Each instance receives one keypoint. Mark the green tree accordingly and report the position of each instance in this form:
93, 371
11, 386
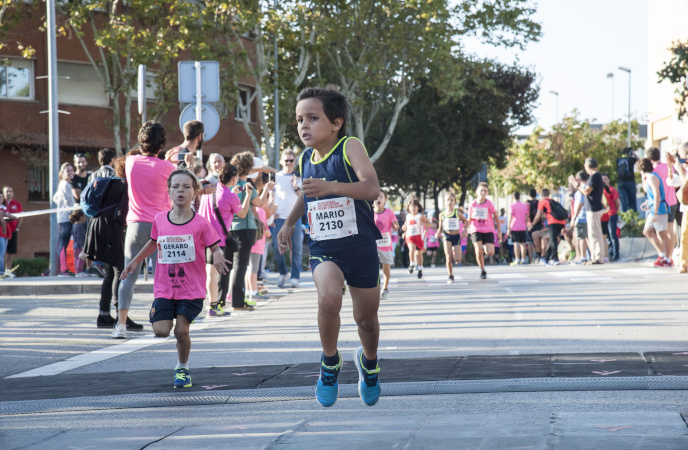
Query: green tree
442, 144
11, 14
676, 72
545, 160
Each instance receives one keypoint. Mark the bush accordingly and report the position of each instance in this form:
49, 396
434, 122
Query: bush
634, 224
30, 267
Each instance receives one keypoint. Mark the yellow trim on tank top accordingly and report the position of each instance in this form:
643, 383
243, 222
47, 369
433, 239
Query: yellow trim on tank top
330, 152
346, 158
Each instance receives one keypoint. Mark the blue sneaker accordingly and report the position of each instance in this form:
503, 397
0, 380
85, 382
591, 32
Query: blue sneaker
368, 381
327, 389
182, 378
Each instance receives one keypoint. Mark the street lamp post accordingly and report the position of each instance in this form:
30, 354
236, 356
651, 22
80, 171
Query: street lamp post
557, 94
626, 69
610, 76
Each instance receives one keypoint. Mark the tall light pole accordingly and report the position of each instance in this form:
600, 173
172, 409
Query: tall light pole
276, 94
557, 94
53, 130
610, 76
626, 69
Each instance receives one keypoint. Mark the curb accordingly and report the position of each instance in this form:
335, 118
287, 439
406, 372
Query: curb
345, 391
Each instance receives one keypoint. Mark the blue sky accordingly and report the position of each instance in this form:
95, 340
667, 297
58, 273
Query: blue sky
582, 41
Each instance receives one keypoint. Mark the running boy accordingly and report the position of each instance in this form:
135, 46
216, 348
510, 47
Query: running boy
482, 217
386, 222
181, 237
450, 224
415, 219
339, 184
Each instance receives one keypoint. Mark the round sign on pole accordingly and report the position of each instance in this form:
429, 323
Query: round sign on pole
211, 119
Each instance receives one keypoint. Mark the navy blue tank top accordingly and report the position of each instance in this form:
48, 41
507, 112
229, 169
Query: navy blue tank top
335, 167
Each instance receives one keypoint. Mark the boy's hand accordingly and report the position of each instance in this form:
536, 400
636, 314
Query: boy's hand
284, 238
313, 187
220, 262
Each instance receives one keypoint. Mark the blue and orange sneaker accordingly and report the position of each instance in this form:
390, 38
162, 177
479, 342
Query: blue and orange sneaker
327, 389
182, 378
368, 380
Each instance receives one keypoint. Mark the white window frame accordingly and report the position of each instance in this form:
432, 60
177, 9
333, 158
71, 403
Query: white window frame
28, 64
237, 111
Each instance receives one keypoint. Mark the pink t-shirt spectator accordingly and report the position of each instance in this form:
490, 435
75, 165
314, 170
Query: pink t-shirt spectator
663, 171
147, 184
384, 222
519, 211
259, 245
483, 217
176, 280
228, 204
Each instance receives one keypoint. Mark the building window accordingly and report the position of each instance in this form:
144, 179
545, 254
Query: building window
245, 101
16, 79
37, 178
84, 86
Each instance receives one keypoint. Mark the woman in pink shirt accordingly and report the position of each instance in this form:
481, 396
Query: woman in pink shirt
147, 176
482, 217
518, 224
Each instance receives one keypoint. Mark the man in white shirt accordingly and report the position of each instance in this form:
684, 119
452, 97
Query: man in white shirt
287, 191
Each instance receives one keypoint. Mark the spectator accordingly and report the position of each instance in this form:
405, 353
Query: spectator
594, 209
199, 170
612, 196
662, 170
13, 207
554, 227
680, 164
626, 179
64, 199
214, 165
243, 230
518, 224
657, 210
78, 220
287, 191
81, 175
105, 240
263, 185
193, 141
227, 202
5, 232
147, 190
534, 234
105, 157
579, 221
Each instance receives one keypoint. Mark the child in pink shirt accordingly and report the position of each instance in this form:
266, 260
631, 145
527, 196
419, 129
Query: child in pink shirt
387, 223
180, 236
518, 224
482, 217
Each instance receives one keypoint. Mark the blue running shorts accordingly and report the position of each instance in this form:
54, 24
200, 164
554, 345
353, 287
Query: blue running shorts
360, 266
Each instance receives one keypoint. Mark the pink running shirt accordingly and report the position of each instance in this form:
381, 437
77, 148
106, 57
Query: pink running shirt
228, 204
147, 185
259, 245
181, 280
519, 211
384, 222
483, 217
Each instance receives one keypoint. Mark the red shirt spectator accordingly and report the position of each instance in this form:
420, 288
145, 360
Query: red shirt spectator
543, 205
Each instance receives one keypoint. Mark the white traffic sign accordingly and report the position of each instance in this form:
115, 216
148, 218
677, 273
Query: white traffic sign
211, 119
210, 81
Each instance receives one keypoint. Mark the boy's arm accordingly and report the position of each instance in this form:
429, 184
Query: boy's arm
145, 252
367, 188
219, 260
395, 225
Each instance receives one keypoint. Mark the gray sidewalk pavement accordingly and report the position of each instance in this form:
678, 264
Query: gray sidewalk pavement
530, 358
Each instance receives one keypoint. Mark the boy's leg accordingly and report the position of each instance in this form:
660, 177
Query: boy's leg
162, 328
365, 306
329, 280
181, 333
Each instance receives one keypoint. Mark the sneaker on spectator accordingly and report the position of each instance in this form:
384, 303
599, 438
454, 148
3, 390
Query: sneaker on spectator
294, 283
554, 262
217, 311
668, 263
543, 262
81, 275
66, 273
120, 332
281, 280
9, 274
659, 262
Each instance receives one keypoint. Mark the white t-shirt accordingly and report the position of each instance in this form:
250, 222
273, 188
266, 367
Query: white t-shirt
285, 196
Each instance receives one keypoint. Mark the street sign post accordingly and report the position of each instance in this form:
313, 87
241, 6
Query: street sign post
199, 84
142, 92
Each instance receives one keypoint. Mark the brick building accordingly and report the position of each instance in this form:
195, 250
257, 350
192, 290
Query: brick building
86, 129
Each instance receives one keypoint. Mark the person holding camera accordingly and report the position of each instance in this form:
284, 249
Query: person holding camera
626, 179
193, 141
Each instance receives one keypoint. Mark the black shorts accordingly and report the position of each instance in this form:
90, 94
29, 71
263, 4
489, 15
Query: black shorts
605, 228
519, 236
453, 238
673, 210
12, 244
165, 309
360, 266
485, 238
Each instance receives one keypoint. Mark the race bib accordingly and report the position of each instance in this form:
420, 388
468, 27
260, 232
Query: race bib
451, 224
480, 213
334, 218
386, 240
176, 249
413, 230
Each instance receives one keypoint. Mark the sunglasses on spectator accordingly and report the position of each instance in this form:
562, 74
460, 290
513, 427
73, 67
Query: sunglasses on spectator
79, 155
288, 160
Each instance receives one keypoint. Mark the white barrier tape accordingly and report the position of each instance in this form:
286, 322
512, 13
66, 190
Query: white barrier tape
44, 211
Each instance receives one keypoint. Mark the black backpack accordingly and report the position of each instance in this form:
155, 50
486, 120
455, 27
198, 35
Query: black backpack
623, 168
557, 210
93, 195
